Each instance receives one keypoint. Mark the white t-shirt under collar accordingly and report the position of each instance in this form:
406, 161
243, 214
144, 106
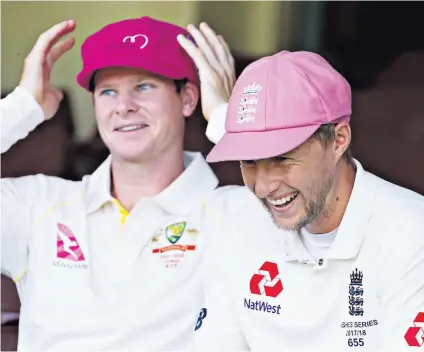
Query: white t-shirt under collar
317, 245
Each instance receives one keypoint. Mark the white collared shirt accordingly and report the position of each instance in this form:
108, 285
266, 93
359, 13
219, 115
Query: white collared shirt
86, 279
268, 293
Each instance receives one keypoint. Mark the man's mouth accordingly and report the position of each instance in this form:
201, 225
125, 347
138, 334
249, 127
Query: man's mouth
131, 128
283, 201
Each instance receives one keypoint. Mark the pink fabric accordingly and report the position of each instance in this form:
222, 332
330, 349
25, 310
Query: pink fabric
278, 102
67, 245
143, 43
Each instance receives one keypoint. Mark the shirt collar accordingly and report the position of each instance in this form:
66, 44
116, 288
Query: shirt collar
99, 186
353, 227
178, 198
190, 187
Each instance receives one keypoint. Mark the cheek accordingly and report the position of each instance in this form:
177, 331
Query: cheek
296, 177
102, 121
167, 101
161, 104
248, 176
103, 111
166, 115
313, 185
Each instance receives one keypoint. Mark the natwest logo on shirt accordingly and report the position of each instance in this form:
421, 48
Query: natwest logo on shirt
266, 282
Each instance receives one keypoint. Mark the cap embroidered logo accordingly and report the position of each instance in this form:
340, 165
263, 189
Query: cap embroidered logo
267, 281
133, 39
247, 109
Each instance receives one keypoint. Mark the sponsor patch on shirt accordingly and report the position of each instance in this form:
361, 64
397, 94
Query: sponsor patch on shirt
358, 327
173, 241
266, 282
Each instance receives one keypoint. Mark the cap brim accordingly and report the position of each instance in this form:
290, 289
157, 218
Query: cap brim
154, 67
259, 145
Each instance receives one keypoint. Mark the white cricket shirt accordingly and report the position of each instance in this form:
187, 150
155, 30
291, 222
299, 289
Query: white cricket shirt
267, 293
89, 275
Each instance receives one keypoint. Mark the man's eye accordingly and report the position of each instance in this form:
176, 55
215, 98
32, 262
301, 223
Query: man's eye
279, 159
108, 92
144, 86
248, 162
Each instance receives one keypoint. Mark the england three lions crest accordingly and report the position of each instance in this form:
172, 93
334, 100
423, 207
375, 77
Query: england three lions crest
247, 106
356, 291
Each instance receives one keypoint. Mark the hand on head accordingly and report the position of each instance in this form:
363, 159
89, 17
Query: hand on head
39, 63
215, 63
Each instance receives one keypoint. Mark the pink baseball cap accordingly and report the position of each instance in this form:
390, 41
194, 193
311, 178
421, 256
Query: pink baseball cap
278, 102
143, 43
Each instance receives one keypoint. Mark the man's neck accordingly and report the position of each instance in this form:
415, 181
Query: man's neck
134, 181
338, 202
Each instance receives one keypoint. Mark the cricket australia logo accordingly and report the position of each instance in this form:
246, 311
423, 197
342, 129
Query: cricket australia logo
173, 234
356, 292
175, 231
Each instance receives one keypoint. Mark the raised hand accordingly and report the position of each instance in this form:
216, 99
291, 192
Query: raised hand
215, 63
39, 63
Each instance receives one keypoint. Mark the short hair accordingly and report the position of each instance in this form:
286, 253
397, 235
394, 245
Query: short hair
180, 84
326, 134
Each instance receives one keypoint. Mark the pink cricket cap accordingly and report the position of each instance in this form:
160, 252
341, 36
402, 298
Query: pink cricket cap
278, 102
143, 43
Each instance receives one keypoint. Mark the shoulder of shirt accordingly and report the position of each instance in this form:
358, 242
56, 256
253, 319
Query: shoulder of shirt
394, 198
238, 211
50, 189
230, 199
398, 209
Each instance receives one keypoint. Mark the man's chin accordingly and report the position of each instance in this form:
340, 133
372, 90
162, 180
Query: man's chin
132, 156
294, 223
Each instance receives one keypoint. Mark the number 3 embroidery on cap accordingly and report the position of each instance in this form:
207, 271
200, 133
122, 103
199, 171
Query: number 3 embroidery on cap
132, 39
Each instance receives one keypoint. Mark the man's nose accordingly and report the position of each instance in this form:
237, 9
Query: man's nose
125, 104
266, 182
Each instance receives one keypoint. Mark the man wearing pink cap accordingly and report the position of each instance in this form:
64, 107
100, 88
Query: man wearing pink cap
342, 267
115, 261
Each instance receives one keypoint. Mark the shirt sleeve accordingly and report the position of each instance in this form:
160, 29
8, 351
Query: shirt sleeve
402, 292
20, 113
15, 227
216, 126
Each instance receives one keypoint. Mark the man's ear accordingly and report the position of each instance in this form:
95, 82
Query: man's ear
342, 138
190, 97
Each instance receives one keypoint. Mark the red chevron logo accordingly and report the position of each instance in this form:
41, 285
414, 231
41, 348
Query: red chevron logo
415, 334
266, 281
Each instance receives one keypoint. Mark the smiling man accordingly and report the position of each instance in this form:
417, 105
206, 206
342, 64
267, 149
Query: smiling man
343, 269
114, 261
